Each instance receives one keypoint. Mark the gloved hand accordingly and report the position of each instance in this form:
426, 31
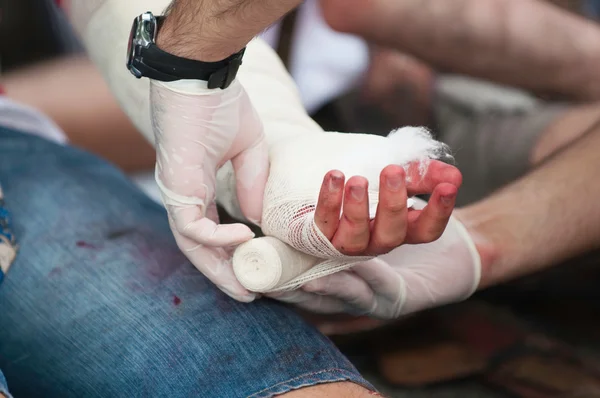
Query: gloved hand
196, 131
410, 278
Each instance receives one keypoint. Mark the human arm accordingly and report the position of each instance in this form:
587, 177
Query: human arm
211, 30
525, 43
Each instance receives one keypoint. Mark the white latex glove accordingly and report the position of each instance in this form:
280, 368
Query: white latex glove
197, 130
411, 278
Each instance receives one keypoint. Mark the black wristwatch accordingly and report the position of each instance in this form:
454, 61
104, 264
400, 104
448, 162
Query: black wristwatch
145, 59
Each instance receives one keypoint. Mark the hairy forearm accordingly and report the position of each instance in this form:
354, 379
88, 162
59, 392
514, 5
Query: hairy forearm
525, 43
210, 30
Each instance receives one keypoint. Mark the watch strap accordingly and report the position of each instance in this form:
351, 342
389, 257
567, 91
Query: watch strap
152, 62
169, 67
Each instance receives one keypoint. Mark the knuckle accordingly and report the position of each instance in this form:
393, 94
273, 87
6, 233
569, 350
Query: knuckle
396, 207
360, 221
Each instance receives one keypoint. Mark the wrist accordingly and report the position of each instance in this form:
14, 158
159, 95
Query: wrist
203, 44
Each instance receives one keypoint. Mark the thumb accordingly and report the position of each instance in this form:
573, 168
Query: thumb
251, 168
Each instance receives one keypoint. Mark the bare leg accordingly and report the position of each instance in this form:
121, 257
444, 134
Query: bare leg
332, 390
73, 94
544, 218
510, 38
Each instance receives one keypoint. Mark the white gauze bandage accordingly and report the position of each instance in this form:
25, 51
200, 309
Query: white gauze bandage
301, 153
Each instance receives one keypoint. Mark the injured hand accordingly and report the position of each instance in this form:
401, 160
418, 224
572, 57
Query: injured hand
299, 250
346, 227
391, 222
433, 260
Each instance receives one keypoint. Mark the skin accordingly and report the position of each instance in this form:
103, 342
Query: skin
354, 233
212, 30
511, 47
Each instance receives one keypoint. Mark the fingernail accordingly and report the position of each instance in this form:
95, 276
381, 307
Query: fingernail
358, 193
335, 183
394, 182
447, 200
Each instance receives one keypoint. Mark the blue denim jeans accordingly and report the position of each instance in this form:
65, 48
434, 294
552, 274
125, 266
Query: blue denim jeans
101, 303
592, 8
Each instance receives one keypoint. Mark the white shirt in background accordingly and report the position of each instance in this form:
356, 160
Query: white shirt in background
324, 63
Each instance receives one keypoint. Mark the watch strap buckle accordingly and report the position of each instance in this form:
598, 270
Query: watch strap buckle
225, 76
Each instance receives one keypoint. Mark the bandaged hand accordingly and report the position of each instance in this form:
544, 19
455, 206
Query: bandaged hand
340, 227
196, 131
331, 268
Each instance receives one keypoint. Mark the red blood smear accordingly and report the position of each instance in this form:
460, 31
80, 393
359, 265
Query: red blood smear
176, 300
85, 245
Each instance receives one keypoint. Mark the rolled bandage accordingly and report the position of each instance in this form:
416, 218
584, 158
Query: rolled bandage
266, 265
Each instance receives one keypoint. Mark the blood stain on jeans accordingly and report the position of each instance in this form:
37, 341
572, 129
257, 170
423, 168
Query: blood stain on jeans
85, 245
176, 300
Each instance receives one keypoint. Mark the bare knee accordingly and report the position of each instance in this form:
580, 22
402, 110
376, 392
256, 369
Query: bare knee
331, 390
